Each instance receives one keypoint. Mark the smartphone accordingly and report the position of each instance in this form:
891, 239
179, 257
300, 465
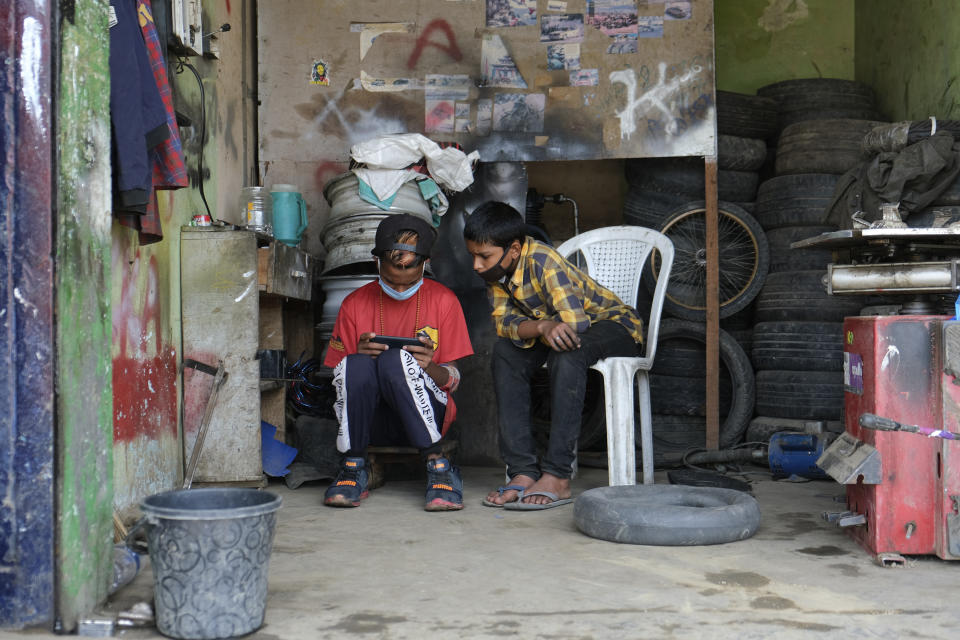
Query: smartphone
396, 341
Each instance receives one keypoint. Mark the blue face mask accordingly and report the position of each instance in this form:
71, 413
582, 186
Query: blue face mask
400, 295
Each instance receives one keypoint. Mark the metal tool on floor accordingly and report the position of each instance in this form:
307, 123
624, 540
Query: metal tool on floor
219, 377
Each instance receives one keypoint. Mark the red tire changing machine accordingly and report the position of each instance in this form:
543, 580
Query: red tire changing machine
902, 488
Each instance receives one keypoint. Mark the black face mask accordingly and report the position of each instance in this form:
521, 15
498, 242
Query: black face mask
496, 272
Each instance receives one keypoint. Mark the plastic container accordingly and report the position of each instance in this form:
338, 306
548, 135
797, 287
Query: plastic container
126, 566
210, 553
257, 209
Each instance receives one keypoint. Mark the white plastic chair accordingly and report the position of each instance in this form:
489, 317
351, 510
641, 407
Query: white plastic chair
615, 257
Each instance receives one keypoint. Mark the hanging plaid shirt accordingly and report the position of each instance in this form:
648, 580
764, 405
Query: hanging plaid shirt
169, 169
545, 286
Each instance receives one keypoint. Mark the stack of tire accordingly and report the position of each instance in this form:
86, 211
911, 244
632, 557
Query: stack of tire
659, 186
666, 194
797, 350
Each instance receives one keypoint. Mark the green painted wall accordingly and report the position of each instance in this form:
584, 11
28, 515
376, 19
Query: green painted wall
759, 42
909, 52
84, 399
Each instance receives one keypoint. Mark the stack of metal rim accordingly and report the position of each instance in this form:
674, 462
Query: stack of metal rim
349, 231
348, 237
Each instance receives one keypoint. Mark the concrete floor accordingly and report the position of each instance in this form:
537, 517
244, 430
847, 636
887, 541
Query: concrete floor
390, 570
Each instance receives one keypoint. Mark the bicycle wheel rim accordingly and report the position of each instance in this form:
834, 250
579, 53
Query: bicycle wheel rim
739, 264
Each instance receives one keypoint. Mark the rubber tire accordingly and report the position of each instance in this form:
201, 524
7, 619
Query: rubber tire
687, 358
802, 296
805, 99
748, 116
730, 214
667, 515
649, 208
798, 346
740, 154
686, 396
736, 186
783, 258
738, 367
677, 176
822, 146
676, 434
679, 357
794, 200
804, 395
685, 177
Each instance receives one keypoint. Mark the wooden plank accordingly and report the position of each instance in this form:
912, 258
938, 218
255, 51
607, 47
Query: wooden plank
273, 409
713, 305
649, 97
298, 321
264, 266
271, 323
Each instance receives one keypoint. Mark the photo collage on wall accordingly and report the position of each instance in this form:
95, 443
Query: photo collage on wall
562, 33
560, 29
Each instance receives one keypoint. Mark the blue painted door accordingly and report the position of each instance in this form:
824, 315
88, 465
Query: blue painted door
26, 315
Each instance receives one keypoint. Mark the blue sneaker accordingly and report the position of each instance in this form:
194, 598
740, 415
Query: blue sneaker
444, 486
350, 486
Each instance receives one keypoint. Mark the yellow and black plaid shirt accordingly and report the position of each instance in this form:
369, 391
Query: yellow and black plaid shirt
545, 286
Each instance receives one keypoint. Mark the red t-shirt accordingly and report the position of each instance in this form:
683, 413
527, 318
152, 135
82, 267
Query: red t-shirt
439, 315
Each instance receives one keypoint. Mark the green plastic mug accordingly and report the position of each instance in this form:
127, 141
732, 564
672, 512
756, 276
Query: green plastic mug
289, 214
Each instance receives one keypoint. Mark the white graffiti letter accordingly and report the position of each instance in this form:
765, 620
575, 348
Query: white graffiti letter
658, 97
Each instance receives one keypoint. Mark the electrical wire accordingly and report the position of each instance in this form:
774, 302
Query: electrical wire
307, 397
181, 63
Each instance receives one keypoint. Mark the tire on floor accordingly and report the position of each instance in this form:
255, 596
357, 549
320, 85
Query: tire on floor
667, 515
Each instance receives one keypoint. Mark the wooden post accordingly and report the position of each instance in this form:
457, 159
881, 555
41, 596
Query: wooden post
713, 306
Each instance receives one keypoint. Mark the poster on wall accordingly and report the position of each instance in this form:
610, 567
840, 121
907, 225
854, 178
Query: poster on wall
498, 68
522, 112
511, 13
567, 27
612, 17
441, 94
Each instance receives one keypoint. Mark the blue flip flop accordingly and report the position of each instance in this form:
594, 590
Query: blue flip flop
510, 487
519, 505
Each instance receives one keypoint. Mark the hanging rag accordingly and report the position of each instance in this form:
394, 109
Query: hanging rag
913, 177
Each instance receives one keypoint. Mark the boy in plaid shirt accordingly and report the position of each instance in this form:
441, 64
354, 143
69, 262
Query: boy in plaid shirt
545, 310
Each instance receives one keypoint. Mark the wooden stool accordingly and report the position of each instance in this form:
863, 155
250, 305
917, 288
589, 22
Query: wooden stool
379, 457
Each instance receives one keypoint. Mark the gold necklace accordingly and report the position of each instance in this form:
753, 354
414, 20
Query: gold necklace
416, 322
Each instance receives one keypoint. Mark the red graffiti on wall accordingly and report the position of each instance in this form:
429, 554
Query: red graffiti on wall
450, 48
144, 367
326, 171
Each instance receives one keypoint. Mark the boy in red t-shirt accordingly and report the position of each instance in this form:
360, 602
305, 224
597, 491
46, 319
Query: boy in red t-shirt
397, 396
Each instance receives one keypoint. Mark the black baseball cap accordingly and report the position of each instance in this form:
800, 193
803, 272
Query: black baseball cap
392, 225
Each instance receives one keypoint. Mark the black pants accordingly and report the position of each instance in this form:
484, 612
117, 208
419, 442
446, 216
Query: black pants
387, 400
513, 368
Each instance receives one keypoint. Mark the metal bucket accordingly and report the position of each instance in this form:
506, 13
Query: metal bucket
210, 552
